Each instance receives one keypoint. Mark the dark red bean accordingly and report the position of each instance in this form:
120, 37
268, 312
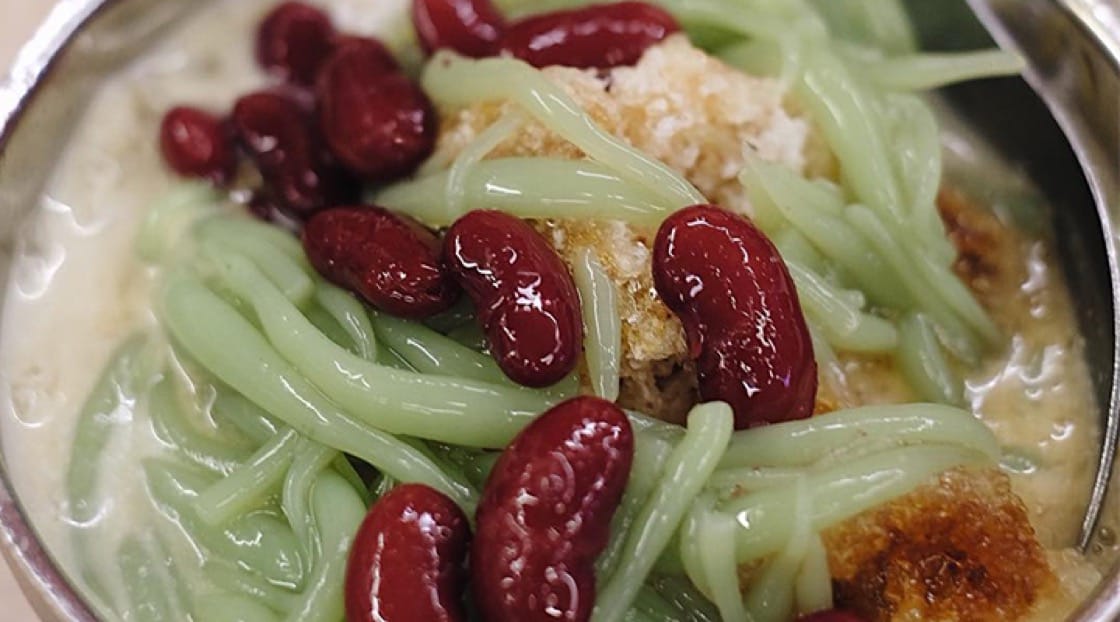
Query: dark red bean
470, 27
831, 615
545, 513
378, 124
527, 303
374, 52
407, 563
389, 260
293, 41
731, 290
280, 136
195, 143
262, 206
602, 35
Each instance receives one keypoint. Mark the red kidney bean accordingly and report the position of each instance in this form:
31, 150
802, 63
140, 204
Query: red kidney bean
731, 290
527, 303
263, 207
195, 143
601, 35
470, 27
293, 41
368, 50
407, 561
279, 135
545, 513
389, 260
830, 615
378, 124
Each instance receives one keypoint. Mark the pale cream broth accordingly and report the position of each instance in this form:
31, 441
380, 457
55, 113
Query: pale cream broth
77, 288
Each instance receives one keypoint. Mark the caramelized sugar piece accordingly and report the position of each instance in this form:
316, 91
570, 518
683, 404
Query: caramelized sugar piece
959, 548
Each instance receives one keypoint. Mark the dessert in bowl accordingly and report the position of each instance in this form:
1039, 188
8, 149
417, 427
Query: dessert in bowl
457, 311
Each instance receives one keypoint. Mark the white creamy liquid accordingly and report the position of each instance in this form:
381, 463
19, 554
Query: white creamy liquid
77, 287
78, 290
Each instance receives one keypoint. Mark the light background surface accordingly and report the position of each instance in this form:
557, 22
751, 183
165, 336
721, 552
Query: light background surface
18, 20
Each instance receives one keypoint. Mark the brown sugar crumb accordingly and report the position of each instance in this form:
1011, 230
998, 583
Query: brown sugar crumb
989, 259
960, 549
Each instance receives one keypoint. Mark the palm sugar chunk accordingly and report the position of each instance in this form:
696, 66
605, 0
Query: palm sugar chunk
960, 548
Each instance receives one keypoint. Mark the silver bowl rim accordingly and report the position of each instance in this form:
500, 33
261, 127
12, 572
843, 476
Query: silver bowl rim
45, 585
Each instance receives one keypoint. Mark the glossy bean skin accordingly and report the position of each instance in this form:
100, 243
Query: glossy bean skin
407, 563
372, 50
195, 143
378, 123
726, 282
469, 27
603, 35
293, 40
389, 260
526, 299
279, 135
545, 513
830, 615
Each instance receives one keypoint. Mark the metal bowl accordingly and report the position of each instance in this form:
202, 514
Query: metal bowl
1067, 139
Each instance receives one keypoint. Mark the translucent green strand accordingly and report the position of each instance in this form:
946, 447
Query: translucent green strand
104, 413
929, 71
310, 460
776, 187
474, 153
232, 608
171, 426
917, 159
338, 511
680, 592
650, 455
685, 472
432, 353
814, 582
650, 604
720, 567
839, 492
233, 228
451, 410
259, 541
453, 81
351, 316
530, 188
169, 219
802, 443
845, 326
150, 595
231, 579
251, 485
924, 365
848, 118
246, 416
232, 349
883, 23
284, 271
771, 595
602, 324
